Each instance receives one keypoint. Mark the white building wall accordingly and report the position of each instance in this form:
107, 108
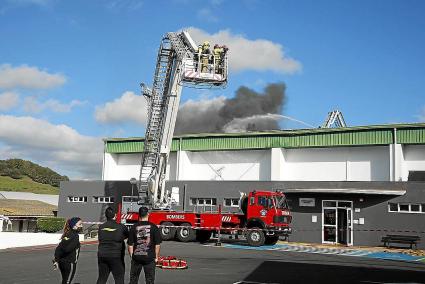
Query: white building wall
225, 165
414, 159
337, 164
365, 163
126, 166
277, 163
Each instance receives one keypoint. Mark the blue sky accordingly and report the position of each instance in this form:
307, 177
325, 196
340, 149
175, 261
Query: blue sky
70, 70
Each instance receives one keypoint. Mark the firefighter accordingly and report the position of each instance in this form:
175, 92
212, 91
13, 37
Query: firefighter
197, 57
218, 51
68, 250
111, 251
205, 56
143, 246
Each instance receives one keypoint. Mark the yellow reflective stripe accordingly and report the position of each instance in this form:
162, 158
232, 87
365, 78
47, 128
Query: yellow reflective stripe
65, 238
108, 229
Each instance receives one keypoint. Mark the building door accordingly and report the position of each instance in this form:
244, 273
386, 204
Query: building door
337, 222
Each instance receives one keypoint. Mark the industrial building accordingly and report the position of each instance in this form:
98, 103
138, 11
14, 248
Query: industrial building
348, 185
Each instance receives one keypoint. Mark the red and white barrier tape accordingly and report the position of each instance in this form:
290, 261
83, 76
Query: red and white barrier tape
293, 230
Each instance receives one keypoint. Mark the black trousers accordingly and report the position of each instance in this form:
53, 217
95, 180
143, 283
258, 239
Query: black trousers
136, 268
107, 265
67, 270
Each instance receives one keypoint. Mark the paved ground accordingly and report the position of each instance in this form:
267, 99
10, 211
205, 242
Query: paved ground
369, 252
210, 264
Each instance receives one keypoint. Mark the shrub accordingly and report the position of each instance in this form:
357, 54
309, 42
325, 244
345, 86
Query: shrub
50, 225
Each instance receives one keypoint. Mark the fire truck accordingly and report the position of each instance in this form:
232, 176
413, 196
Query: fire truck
264, 214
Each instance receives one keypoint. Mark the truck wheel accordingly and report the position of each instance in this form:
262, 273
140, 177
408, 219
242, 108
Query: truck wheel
167, 233
203, 236
186, 234
271, 240
255, 237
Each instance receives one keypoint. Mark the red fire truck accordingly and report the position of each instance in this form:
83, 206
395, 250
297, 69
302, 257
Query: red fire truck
264, 215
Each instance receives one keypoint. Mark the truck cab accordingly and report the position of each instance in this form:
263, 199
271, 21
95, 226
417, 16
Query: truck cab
267, 217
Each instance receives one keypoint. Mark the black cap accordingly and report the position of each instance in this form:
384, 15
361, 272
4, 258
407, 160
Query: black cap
143, 212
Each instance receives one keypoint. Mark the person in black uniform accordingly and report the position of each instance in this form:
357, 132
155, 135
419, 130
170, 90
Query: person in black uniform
143, 246
68, 250
110, 255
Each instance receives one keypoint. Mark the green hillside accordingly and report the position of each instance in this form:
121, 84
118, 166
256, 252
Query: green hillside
26, 176
26, 184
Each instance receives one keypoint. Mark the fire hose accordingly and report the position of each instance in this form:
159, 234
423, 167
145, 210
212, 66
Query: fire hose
171, 262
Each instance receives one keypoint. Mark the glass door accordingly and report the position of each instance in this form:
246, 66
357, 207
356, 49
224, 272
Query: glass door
329, 225
337, 222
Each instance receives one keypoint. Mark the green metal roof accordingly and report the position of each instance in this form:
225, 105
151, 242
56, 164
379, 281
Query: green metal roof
320, 137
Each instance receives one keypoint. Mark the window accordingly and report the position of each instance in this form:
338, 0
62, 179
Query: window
403, 207
344, 204
77, 199
130, 199
103, 199
262, 200
203, 201
329, 203
406, 208
415, 208
392, 207
231, 202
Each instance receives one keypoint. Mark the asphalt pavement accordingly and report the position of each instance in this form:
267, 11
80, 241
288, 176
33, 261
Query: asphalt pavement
210, 264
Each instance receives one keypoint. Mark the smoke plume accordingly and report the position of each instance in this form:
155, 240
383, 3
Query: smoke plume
247, 111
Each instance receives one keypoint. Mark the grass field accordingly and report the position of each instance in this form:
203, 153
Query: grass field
25, 184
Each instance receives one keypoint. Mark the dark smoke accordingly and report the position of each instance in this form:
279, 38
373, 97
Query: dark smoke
247, 111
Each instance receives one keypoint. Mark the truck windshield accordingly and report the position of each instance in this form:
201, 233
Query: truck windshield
280, 202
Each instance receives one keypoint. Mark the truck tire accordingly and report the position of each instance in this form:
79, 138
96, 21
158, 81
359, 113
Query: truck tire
186, 234
271, 240
203, 236
255, 237
167, 233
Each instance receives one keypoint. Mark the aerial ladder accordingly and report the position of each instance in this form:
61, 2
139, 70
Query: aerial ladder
334, 118
179, 63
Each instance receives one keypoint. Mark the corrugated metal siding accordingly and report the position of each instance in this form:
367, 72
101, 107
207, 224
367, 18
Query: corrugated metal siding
133, 146
411, 136
287, 140
124, 147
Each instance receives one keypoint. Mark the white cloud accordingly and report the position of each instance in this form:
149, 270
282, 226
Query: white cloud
28, 78
128, 108
32, 105
8, 100
59, 146
246, 54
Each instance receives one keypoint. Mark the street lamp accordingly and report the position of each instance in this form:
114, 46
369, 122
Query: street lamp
133, 182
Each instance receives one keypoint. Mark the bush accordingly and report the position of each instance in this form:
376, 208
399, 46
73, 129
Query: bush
50, 225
